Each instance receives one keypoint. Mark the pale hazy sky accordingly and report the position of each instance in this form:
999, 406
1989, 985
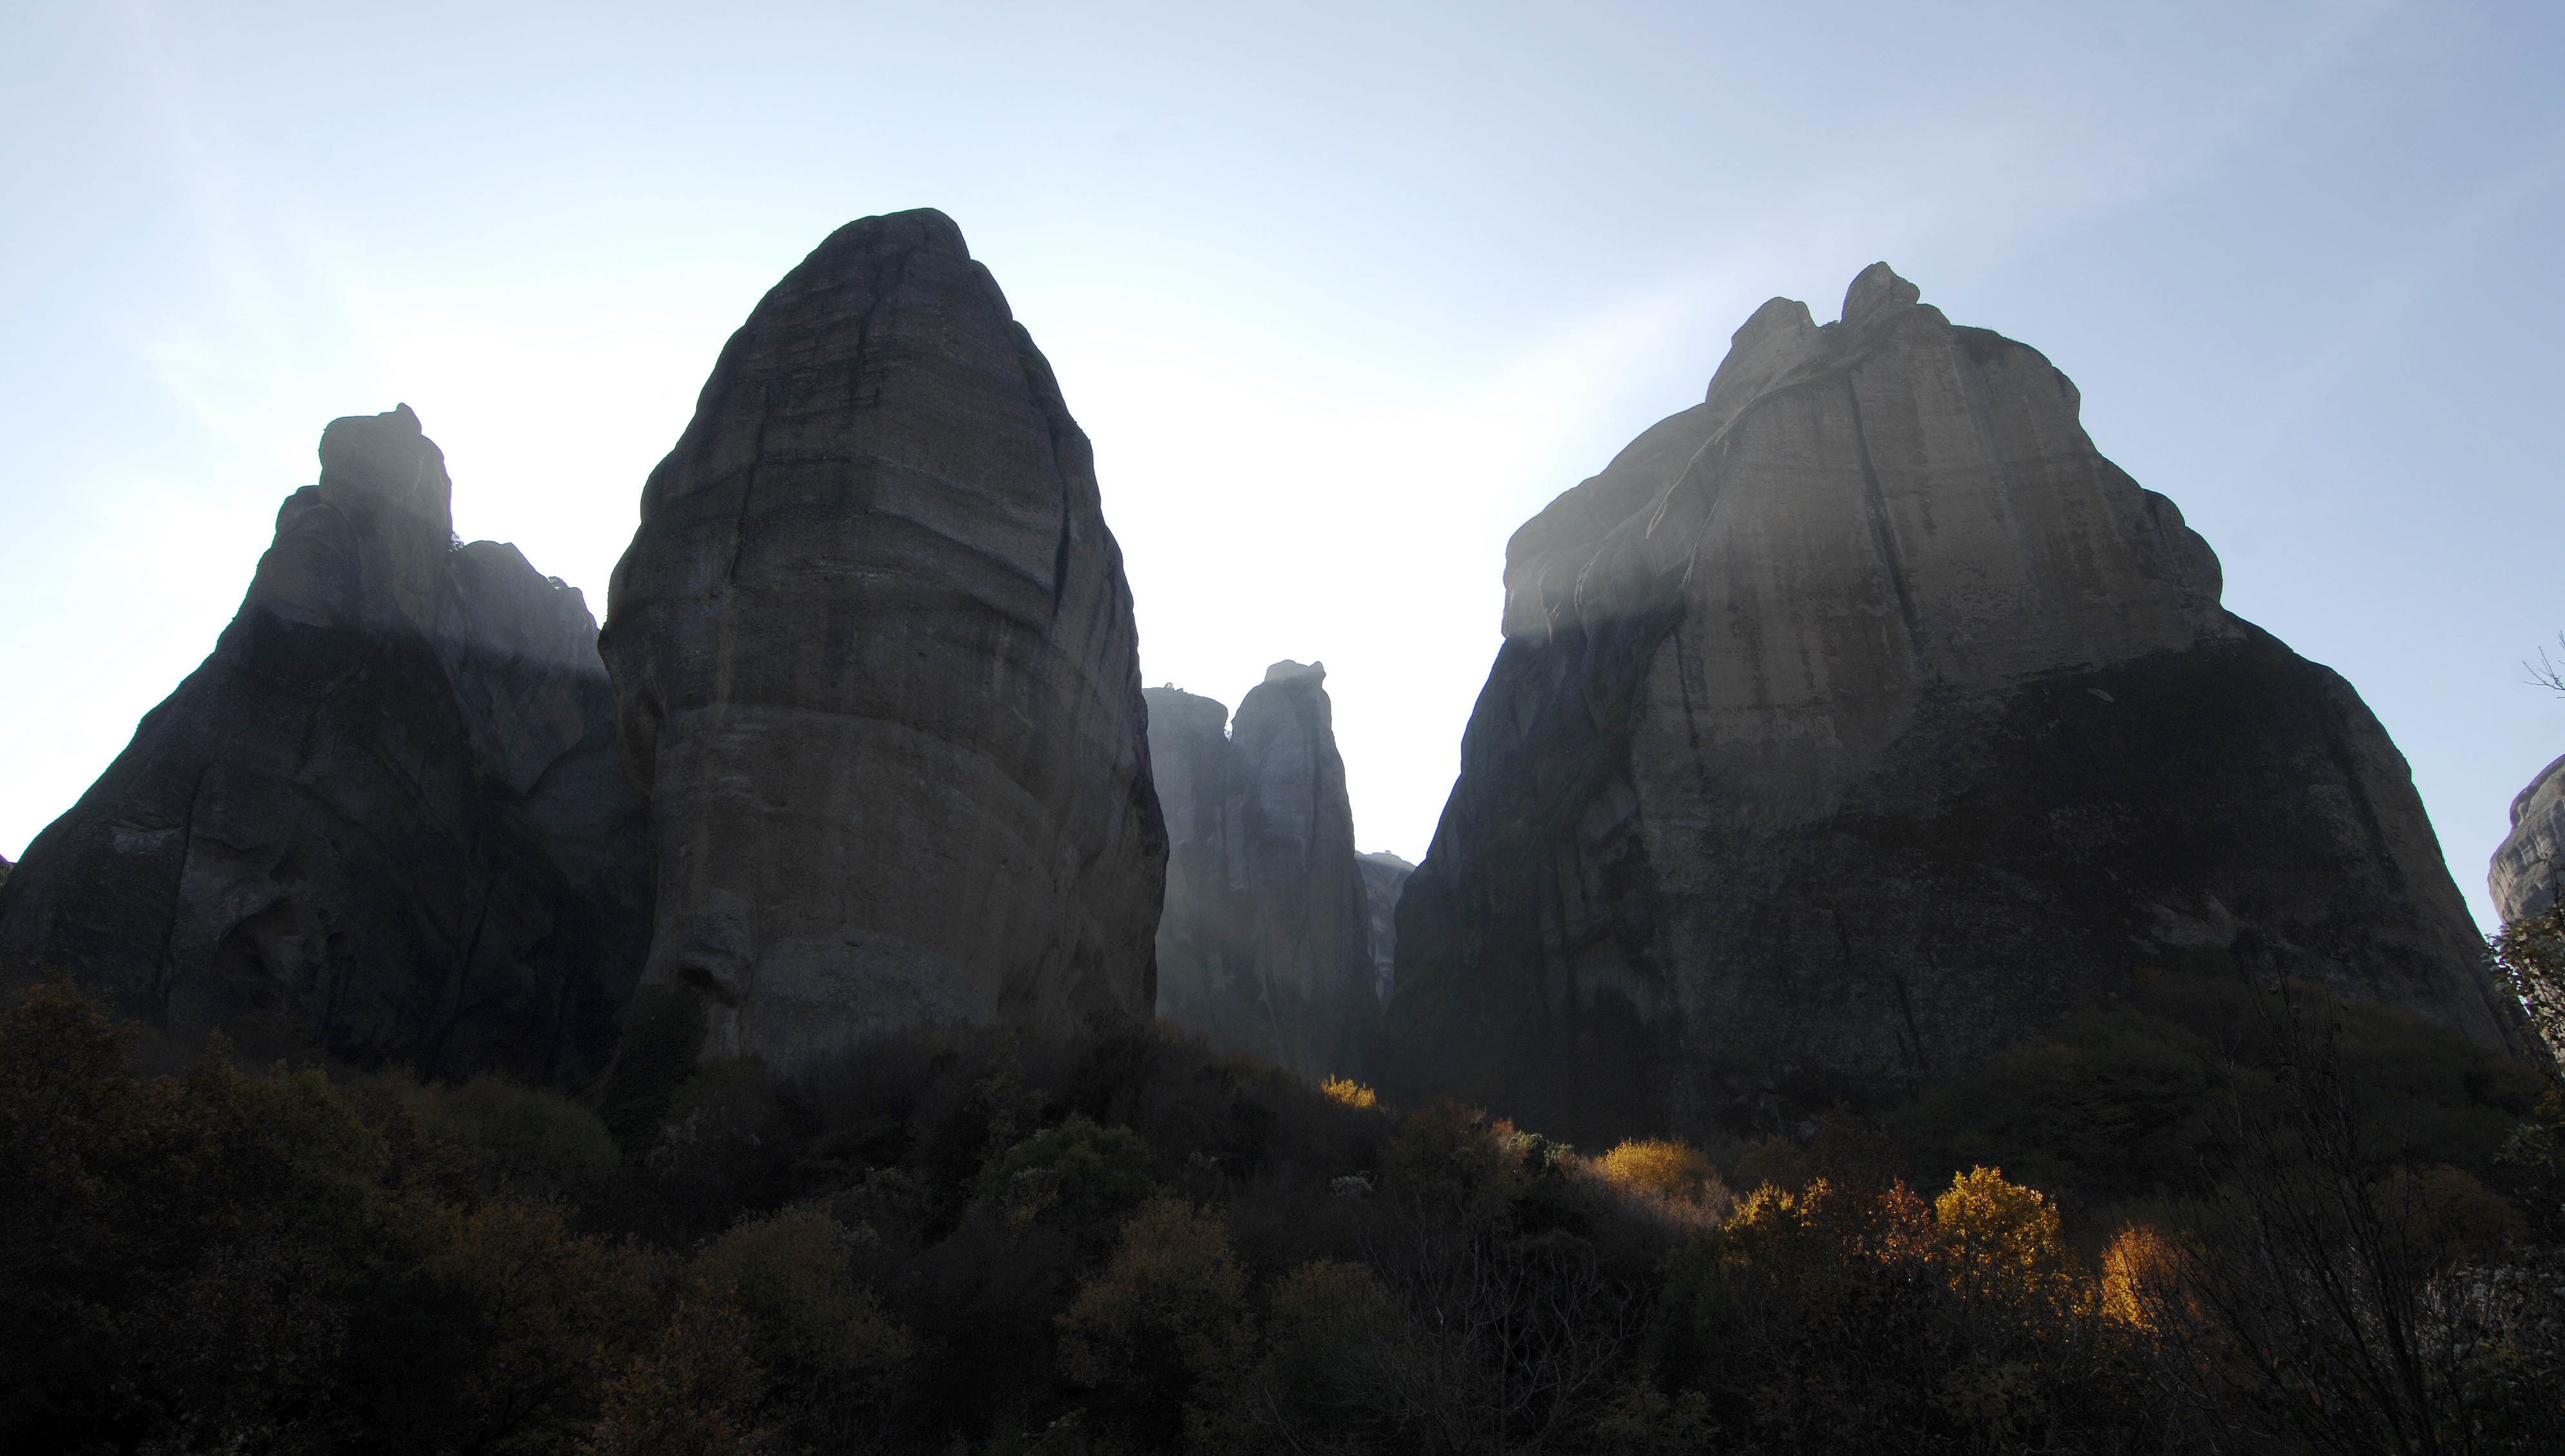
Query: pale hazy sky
1343, 293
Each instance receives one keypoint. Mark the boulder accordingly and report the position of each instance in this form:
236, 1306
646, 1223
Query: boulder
385, 816
2527, 870
876, 674
1857, 720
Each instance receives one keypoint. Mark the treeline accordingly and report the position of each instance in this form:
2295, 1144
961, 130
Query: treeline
2229, 1219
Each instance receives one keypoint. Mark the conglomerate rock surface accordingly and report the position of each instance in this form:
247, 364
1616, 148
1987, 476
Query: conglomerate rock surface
1264, 944
877, 675
2526, 869
385, 816
1854, 722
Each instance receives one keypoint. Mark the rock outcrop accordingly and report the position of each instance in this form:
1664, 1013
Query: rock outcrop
877, 675
1266, 944
1856, 721
385, 816
1384, 878
2526, 870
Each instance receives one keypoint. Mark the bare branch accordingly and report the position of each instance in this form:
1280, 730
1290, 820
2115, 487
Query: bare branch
2546, 674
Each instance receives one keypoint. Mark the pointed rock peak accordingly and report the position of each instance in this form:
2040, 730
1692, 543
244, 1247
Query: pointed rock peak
1287, 671
1876, 289
1779, 337
386, 458
1784, 317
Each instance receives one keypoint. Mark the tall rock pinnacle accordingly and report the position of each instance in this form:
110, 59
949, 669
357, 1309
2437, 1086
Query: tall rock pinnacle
1856, 720
877, 673
1266, 944
385, 815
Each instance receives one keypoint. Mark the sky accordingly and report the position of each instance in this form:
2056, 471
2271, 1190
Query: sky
1343, 293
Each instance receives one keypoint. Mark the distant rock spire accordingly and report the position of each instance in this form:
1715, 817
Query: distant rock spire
1266, 942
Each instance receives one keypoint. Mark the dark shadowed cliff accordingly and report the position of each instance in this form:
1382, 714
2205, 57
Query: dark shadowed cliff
1858, 719
877, 673
1265, 946
385, 815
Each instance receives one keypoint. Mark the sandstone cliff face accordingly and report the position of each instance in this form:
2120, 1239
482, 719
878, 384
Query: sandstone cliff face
2526, 869
876, 673
385, 815
1265, 946
1851, 723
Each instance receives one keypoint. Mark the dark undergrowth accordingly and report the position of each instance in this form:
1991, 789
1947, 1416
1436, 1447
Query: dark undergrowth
2229, 1219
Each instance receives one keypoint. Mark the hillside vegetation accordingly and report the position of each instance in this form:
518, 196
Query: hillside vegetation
2195, 1217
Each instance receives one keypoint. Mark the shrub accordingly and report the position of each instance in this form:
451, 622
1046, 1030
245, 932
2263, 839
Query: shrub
1163, 1326
1350, 1091
1333, 1328
1449, 1159
1078, 1178
1660, 1167
1999, 1241
695, 1393
663, 1035
814, 1327
534, 1144
2141, 1284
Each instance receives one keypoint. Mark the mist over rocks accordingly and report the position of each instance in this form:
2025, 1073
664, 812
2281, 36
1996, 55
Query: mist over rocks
876, 674
384, 817
2524, 876
1266, 942
1858, 719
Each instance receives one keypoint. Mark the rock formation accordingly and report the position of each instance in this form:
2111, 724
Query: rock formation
2527, 870
1855, 720
385, 815
1384, 877
1207, 971
1266, 944
876, 674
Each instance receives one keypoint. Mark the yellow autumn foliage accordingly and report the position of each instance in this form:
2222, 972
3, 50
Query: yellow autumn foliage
1658, 1166
1999, 1240
1350, 1091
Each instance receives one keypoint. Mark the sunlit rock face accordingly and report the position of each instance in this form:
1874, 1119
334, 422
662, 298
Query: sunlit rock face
876, 673
384, 817
2526, 869
1264, 947
1856, 721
